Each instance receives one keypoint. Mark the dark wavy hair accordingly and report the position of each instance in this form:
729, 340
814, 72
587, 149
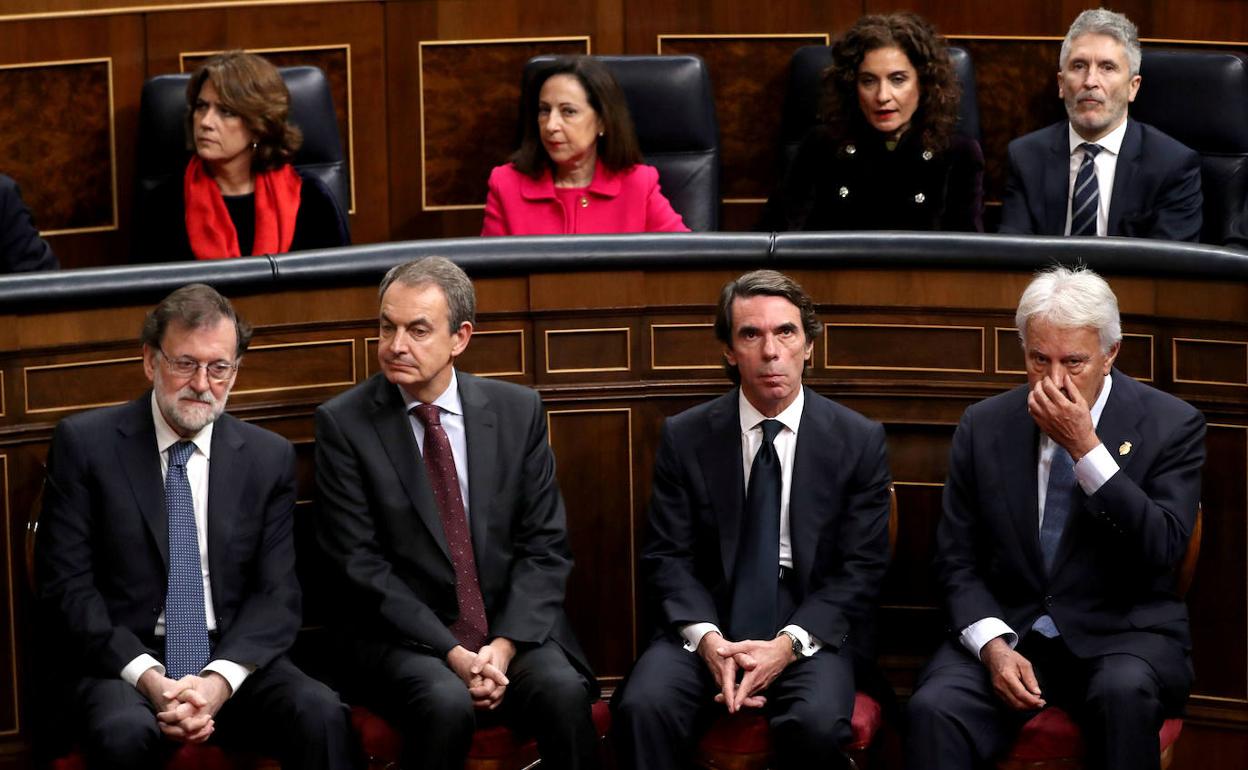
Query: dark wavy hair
254, 90
617, 147
939, 91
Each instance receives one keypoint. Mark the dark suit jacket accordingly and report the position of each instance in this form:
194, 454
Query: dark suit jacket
103, 547
838, 519
1113, 584
21, 248
379, 522
1156, 185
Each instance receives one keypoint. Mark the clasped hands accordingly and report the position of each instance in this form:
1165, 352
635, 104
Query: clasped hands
186, 707
484, 672
758, 661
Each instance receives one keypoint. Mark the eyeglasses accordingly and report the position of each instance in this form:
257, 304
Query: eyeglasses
218, 371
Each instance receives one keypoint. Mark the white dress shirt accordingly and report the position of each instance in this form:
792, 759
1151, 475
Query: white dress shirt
786, 446
197, 467
452, 418
1106, 163
1092, 470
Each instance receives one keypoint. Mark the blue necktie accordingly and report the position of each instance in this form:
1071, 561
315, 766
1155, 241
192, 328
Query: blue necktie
186, 632
1057, 501
1085, 200
757, 573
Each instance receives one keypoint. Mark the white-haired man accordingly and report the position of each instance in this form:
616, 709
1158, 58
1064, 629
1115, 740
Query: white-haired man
1100, 173
1068, 504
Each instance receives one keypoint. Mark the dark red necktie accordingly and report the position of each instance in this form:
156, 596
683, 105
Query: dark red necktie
471, 627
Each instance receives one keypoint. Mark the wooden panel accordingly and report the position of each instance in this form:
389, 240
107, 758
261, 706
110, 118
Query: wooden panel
595, 470
749, 77
495, 353
901, 347
1016, 81
572, 351
459, 146
9, 685
344, 39
82, 384
66, 138
1210, 362
1220, 634
335, 62
1136, 358
685, 346
57, 135
293, 366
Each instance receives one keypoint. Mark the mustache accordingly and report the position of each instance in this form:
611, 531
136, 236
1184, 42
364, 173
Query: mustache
204, 398
1086, 95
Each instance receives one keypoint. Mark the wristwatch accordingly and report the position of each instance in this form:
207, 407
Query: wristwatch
798, 647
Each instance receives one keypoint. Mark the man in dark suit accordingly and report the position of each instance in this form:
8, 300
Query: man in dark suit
1068, 506
21, 248
767, 543
439, 505
165, 562
1101, 173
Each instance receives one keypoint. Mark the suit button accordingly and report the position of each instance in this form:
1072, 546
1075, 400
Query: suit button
1048, 601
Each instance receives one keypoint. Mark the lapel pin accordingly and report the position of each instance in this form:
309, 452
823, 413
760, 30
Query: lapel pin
1124, 448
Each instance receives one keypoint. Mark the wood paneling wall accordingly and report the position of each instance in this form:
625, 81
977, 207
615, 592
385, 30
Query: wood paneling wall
613, 353
426, 90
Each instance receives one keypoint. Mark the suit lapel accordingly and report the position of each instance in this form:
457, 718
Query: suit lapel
393, 426
1124, 175
814, 456
227, 468
141, 462
481, 427
1057, 182
1019, 477
719, 456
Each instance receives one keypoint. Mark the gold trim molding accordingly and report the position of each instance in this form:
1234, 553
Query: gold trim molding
628, 349
667, 367
826, 337
1174, 361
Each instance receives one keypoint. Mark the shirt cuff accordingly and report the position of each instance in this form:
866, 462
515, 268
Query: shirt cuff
810, 645
981, 632
139, 666
232, 672
1095, 468
694, 632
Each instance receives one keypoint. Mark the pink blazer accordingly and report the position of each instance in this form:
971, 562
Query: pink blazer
624, 202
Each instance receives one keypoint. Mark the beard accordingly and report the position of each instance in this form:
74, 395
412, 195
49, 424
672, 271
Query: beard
188, 418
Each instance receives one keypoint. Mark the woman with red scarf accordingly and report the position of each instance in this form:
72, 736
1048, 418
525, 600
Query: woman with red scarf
239, 195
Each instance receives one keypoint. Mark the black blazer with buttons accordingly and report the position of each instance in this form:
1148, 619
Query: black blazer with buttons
102, 555
838, 520
856, 183
1113, 584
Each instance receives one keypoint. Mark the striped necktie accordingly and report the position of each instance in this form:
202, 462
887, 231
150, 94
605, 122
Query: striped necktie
1085, 201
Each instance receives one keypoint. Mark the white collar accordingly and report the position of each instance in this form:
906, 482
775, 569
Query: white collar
1111, 142
790, 418
167, 436
447, 401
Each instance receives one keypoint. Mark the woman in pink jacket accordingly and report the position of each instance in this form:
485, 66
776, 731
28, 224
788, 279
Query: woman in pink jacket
578, 169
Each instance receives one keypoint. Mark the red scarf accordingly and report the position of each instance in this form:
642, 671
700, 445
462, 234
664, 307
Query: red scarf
208, 224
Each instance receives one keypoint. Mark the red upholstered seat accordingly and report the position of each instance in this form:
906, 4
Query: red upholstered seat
493, 747
745, 737
1052, 736
185, 757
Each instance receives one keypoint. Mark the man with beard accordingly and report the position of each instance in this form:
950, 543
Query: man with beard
165, 563
1101, 173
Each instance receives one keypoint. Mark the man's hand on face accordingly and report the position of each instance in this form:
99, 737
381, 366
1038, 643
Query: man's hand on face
1060, 410
1012, 676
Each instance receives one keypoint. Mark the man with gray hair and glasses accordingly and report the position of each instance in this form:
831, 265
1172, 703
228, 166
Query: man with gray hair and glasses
165, 563
1069, 504
1101, 173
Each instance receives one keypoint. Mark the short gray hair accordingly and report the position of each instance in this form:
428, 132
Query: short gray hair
456, 286
1099, 21
1071, 299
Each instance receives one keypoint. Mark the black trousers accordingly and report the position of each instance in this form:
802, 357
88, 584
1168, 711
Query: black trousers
548, 698
957, 721
278, 711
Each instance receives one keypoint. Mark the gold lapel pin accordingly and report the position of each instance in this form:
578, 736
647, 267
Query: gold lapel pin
1124, 448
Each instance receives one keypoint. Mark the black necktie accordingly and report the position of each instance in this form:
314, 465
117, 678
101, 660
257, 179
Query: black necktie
1058, 498
753, 614
1085, 200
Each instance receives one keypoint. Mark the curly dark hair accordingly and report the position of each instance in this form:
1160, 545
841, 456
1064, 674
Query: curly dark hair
253, 89
617, 147
939, 91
